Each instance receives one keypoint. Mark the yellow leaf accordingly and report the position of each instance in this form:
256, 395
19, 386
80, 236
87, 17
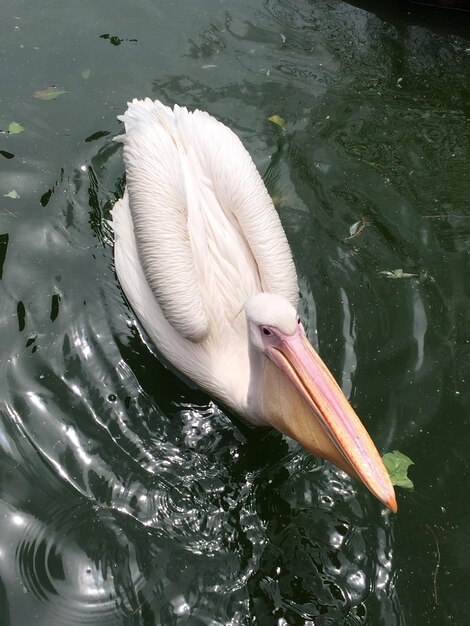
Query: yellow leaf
277, 119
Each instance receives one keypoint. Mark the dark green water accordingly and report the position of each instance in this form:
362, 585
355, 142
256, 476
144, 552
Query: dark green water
127, 497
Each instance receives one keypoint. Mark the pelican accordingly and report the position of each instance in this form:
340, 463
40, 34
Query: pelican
205, 264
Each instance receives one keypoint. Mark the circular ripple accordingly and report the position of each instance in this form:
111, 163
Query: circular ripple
74, 562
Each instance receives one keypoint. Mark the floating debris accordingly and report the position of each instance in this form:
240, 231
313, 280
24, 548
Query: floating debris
356, 229
398, 273
277, 119
114, 40
397, 465
3, 251
15, 128
12, 194
49, 93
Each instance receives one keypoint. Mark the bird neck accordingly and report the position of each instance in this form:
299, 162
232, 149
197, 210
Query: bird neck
254, 400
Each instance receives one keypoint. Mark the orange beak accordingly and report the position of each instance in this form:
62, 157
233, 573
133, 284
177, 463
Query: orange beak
296, 358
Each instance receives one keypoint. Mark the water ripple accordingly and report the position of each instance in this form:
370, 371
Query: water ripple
128, 497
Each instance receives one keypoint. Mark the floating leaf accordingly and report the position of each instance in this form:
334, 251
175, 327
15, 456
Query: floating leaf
277, 119
21, 312
55, 307
398, 273
277, 199
49, 93
46, 196
7, 155
424, 277
30, 341
86, 74
12, 194
14, 128
3, 251
98, 135
282, 199
397, 465
356, 229
113, 39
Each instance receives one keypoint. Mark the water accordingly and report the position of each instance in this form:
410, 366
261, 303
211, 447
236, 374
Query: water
128, 497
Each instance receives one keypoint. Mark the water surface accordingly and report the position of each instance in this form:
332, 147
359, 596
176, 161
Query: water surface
128, 497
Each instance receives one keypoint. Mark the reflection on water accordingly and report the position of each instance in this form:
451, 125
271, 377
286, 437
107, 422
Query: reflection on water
128, 497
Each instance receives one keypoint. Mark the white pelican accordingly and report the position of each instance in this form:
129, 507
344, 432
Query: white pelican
204, 262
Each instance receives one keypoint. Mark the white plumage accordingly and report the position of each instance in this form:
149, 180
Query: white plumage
204, 262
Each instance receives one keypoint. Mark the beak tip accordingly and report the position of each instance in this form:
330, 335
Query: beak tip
390, 501
392, 504
384, 492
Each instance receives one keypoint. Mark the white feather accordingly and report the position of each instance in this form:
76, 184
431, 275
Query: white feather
197, 236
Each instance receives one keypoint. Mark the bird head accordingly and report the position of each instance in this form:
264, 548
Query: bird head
302, 399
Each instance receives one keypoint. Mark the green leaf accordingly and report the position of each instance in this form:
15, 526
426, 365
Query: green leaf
397, 465
15, 128
12, 194
49, 93
398, 273
277, 119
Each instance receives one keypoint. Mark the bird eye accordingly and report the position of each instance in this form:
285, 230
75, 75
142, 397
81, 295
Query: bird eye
266, 331
298, 320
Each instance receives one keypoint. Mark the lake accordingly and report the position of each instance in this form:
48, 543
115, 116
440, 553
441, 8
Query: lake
128, 497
